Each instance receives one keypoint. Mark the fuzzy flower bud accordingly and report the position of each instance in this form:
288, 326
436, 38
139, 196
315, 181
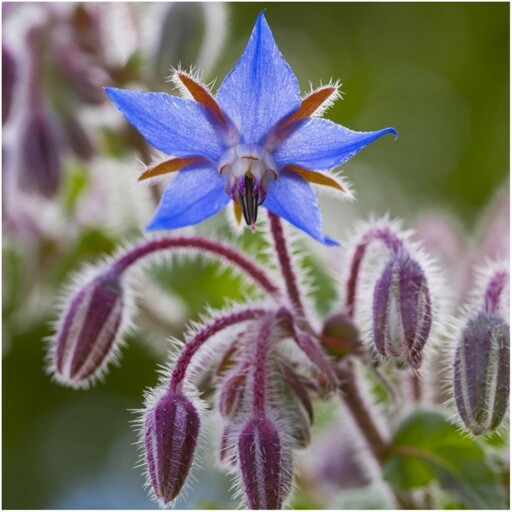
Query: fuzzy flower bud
232, 393
481, 372
171, 428
265, 465
402, 315
340, 337
89, 330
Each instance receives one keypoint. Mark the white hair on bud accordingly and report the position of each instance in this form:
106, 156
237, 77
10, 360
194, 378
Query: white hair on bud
78, 280
474, 303
374, 261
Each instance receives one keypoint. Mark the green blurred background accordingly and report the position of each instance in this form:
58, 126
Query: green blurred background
437, 72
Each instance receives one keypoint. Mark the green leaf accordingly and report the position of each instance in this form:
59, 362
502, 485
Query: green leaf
427, 447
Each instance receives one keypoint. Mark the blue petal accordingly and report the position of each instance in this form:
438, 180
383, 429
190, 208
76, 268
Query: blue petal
173, 125
194, 194
292, 198
261, 88
320, 144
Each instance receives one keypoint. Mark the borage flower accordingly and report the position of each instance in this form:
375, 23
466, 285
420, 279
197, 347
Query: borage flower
255, 143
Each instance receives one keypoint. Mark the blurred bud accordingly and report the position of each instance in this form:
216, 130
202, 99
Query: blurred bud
87, 77
402, 315
265, 465
8, 81
181, 37
232, 393
84, 22
89, 330
493, 233
295, 404
227, 360
171, 428
481, 373
299, 385
78, 140
40, 167
340, 337
227, 451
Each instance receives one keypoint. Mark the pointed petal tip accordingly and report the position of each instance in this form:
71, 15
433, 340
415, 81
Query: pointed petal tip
391, 130
330, 242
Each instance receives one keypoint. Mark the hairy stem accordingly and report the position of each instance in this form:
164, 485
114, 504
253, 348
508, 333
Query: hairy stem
494, 290
351, 393
376, 440
220, 323
260, 365
224, 252
389, 239
285, 263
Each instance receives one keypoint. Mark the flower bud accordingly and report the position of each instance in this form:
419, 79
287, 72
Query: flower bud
171, 428
265, 465
232, 393
90, 328
481, 373
40, 167
340, 337
402, 315
227, 450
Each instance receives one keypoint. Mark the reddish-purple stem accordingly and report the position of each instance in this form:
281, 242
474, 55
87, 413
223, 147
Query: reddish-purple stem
390, 240
220, 323
260, 365
309, 347
495, 288
285, 263
225, 252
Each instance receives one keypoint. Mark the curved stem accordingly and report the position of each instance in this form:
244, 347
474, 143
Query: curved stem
226, 253
220, 323
285, 263
389, 239
494, 290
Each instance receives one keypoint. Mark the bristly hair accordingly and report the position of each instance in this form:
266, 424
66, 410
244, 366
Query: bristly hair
474, 302
372, 265
78, 280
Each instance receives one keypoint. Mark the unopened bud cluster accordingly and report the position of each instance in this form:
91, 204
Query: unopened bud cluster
265, 363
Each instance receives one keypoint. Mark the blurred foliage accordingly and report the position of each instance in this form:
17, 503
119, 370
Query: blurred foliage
438, 73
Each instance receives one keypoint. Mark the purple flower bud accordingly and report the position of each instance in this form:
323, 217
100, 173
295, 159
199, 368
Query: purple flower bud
232, 393
265, 465
481, 373
171, 428
402, 315
87, 335
340, 337
8, 81
40, 167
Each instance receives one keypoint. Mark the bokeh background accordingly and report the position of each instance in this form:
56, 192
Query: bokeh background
437, 72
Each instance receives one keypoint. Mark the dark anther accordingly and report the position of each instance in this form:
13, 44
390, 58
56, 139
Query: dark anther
249, 201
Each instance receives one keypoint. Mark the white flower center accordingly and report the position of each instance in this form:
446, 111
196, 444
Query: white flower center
247, 169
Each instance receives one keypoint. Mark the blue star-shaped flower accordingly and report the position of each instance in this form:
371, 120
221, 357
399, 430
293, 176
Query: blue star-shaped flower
255, 143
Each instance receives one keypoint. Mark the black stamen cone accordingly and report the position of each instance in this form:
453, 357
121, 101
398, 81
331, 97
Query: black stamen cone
249, 201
